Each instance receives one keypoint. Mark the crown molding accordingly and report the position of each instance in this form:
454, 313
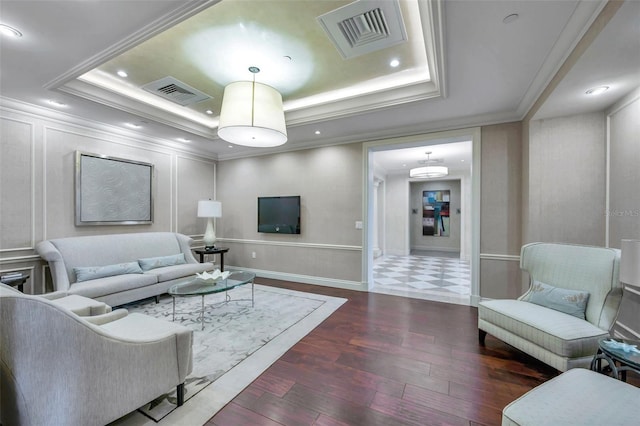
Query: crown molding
179, 14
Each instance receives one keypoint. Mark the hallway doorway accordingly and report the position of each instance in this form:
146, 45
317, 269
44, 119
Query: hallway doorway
395, 261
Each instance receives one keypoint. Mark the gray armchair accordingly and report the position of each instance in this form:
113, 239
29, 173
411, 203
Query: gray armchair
58, 368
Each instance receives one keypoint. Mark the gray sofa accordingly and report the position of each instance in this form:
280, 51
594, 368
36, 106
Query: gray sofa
75, 261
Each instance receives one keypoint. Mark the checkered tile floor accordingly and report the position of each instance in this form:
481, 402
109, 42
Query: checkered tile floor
441, 279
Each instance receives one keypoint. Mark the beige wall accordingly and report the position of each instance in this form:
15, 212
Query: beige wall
422, 242
37, 185
329, 182
567, 180
500, 206
624, 198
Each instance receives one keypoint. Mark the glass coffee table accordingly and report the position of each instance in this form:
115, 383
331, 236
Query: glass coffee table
622, 355
199, 287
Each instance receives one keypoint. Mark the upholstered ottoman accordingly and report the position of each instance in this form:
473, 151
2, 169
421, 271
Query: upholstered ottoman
577, 397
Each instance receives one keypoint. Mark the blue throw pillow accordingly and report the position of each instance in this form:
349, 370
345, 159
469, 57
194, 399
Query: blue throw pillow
86, 273
158, 262
572, 302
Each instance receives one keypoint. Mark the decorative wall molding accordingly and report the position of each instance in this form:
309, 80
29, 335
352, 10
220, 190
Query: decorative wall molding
616, 108
33, 185
176, 167
635, 334
19, 259
289, 244
631, 289
105, 138
37, 112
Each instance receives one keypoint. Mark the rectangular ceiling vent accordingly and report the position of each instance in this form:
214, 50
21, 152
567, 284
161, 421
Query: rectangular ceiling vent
176, 91
364, 26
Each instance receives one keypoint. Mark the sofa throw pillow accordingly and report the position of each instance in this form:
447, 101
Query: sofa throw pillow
158, 262
572, 302
86, 273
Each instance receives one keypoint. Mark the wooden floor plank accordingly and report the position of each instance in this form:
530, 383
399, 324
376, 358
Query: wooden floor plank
387, 360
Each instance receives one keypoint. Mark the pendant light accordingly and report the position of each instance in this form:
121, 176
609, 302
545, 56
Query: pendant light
252, 114
429, 171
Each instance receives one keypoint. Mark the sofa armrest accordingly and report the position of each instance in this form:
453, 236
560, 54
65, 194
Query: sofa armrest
55, 295
50, 253
108, 317
185, 245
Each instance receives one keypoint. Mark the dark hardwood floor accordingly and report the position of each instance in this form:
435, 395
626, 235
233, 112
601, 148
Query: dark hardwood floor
387, 360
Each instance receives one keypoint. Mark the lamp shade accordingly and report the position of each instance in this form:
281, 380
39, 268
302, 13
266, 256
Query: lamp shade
209, 208
252, 115
630, 262
429, 172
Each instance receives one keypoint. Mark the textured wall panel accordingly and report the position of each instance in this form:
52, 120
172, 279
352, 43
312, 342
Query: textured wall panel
16, 184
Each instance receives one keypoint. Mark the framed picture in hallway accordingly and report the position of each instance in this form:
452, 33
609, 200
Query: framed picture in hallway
435, 213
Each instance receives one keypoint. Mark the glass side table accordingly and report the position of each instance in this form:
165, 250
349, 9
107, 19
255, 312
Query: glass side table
622, 355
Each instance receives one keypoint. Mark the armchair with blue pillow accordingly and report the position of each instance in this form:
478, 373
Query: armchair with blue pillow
572, 302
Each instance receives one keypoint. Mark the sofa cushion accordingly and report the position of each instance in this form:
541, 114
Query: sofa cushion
86, 273
158, 262
169, 273
109, 285
572, 302
560, 333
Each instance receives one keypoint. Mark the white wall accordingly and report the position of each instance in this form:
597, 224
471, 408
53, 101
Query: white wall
37, 183
397, 215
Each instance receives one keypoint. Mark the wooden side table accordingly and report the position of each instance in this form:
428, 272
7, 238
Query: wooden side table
16, 281
218, 250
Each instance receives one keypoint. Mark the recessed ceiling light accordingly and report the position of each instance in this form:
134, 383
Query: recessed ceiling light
317, 132
122, 73
394, 63
462, 161
597, 90
184, 140
9, 31
209, 112
510, 18
230, 146
56, 103
133, 125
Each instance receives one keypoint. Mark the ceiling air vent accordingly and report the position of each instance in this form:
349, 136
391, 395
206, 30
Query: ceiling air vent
175, 91
364, 26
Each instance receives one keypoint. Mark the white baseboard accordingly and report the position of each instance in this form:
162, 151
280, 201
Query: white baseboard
431, 248
304, 279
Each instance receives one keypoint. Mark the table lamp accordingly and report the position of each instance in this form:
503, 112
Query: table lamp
209, 209
630, 263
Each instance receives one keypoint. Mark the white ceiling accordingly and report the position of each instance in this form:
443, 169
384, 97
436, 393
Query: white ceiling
492, 72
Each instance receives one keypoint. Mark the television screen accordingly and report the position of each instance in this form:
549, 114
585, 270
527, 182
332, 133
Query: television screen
279, 215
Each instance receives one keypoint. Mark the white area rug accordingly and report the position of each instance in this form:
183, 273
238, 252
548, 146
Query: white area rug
237, 344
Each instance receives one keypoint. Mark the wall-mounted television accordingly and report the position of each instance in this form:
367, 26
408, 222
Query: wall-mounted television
279, 215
